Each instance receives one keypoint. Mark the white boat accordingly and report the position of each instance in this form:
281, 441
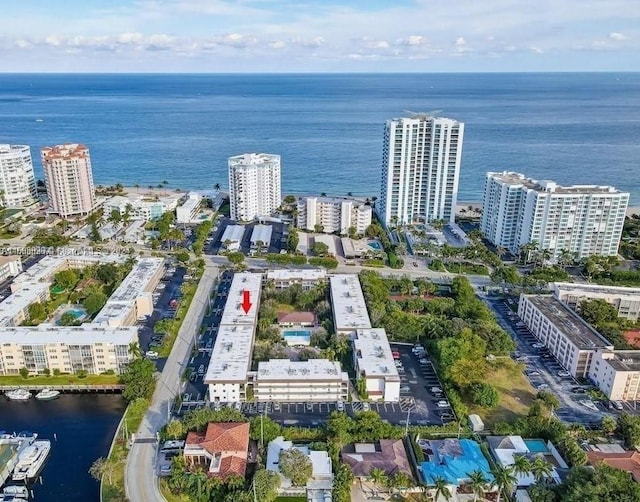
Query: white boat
18, 395
31, 460
16, 492
47, 394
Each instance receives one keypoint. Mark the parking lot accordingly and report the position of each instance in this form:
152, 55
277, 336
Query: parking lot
544, 372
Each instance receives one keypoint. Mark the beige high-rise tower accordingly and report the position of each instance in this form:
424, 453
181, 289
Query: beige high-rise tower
68, 178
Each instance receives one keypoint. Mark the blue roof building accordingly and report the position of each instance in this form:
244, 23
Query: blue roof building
452, 459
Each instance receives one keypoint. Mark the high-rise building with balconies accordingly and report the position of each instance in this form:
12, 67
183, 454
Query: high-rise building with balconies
17, 182
577, 221
254, 185
69, 179
420, 170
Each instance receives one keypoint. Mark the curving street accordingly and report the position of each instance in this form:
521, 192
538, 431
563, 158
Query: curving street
141, 480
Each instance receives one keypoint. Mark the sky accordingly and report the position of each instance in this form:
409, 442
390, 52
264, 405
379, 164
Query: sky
257, 36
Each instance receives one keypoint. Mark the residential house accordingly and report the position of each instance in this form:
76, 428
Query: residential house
318, 487
222, 450
388, 455
296, 319
628, 461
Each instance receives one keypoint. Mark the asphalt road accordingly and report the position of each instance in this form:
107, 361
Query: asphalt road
141, 480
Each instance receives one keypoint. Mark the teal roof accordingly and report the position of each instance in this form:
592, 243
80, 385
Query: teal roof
453, 460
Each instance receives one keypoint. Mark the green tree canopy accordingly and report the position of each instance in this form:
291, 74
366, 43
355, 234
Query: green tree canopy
66, 279
266, 484
94, 302
295, 465
138, 379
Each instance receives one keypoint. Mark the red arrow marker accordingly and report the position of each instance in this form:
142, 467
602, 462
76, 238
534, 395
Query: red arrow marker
246, 301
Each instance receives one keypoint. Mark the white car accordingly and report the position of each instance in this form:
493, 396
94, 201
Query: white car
151, 354
443, 404
538, 345
436, 390
366, 406
564, 374
237, 405
340, 406
542, 386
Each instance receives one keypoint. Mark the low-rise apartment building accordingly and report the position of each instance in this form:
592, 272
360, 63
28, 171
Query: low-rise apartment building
571, 340
10, 266
617, 374
142, 207
300, 381
333, 214
95, 349
308, 278
15, 309
188, 212
374, 363
349, 308
625, 300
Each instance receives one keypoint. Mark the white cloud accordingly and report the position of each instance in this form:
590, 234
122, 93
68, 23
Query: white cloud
536, 50
278, 44
460, 41
412, 40
614, 35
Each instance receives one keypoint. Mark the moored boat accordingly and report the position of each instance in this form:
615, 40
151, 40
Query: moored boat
16, 491
47, 395
18, 395
31, 460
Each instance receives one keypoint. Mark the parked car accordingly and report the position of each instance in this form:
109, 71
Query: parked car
578, 390
542, 386
276, 407
563, 374
538, 345
435, 390
424, 361
340, 406
201, 369
151, 354
522, 359
447, 416
237, 405
617, 405
309, 406
405, 388
532, 373
443, 404
366, 406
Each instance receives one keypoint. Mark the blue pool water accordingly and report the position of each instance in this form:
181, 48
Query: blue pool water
536, 445
297, 336
375, 245
78, 313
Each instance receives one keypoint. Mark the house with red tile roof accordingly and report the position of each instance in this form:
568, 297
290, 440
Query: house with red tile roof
222, 450
628, 461
296, 319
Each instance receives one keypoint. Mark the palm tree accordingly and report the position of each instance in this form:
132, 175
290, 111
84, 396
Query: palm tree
500, 251
478, 482
378, 477
541, 469
217, 187
521, 466
504, 478
442, 489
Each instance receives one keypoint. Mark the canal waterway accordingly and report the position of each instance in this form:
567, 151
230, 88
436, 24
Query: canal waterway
80, 427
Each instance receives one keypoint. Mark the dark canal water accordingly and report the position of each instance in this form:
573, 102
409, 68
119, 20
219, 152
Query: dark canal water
84, 426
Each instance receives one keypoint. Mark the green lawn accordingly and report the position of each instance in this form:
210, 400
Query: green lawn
17, 380
516, 393
291, 499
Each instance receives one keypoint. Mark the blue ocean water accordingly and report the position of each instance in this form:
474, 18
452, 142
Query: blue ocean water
573, 128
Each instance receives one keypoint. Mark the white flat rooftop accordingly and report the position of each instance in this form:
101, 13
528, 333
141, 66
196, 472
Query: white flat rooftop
231, 357
329, 241
233, 313
261, 233
349, 307
233, 233
86, 334
596, 288
373, 353
137, 280
304, 274
20, 300
314, 369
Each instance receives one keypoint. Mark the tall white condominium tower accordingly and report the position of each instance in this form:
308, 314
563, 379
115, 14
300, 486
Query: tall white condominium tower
17, 183
420, 169
254, 185
582, 220
69, 180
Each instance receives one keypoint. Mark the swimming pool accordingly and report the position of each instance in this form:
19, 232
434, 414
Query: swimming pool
297, 336
536, 445
79, 313
375, 245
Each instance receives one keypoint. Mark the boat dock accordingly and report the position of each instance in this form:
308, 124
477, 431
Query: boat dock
115, 388
10, 450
